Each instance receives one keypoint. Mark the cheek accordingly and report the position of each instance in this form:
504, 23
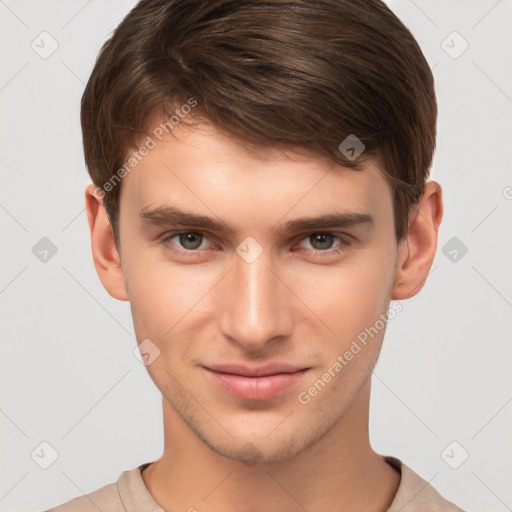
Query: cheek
162, 295
354, 299
353, 305
166, 298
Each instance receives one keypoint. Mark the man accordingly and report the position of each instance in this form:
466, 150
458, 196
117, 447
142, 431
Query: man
260, 197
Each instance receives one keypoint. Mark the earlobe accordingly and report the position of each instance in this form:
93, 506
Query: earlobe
104, 251
417, 251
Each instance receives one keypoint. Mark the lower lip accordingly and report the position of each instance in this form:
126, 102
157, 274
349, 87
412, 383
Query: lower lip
256, 388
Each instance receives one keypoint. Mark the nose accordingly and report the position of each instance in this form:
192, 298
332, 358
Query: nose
255, 303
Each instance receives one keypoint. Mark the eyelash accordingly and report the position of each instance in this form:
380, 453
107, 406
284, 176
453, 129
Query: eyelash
341, 248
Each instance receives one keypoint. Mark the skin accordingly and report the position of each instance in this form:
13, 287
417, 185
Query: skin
210, 306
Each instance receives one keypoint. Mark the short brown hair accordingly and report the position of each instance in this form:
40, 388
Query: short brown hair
291, 73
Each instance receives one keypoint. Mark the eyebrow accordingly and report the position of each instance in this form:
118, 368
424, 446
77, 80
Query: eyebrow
171, 215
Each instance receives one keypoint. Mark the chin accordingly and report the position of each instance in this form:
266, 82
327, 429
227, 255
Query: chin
263, 445
258, 451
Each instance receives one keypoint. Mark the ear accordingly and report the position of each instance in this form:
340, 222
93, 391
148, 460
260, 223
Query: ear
416, 252
104, 251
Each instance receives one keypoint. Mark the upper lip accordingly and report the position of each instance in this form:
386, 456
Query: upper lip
255, 371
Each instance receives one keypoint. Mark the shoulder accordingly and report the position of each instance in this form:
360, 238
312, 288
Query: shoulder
415, 494
128, 494
106, 499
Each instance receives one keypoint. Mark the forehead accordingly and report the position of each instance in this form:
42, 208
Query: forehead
199, 167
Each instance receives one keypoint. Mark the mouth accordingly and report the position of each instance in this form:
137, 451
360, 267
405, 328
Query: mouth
255, 383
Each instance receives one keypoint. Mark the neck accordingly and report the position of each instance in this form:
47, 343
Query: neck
340, 471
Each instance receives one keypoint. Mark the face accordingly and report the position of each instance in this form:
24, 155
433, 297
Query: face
256, 311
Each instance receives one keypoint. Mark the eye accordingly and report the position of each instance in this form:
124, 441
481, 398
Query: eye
324, 245
193, 243
322, 241
188, 240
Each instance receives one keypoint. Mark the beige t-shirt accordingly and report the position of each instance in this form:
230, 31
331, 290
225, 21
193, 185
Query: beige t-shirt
130, 494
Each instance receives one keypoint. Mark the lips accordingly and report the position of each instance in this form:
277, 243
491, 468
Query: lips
255, 382
255, 371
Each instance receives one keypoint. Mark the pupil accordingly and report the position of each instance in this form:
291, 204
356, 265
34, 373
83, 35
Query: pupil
324, 241
187, 240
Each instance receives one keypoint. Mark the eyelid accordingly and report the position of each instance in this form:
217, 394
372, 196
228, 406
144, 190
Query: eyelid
170, 234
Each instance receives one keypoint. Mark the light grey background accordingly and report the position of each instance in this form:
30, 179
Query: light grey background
68, 373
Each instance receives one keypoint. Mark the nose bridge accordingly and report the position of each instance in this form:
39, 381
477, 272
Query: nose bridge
254, 304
